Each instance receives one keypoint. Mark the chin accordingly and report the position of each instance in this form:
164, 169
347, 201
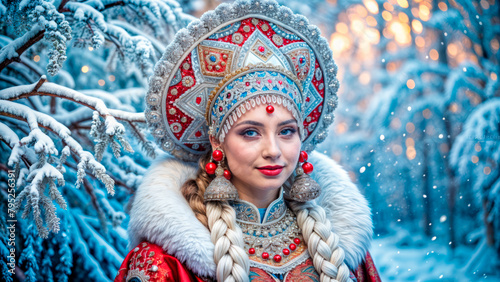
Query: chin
273, 184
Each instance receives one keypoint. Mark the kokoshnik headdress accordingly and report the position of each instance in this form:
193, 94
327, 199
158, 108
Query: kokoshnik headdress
236, 57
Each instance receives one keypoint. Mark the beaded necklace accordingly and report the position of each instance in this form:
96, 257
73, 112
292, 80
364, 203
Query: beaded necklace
275, 245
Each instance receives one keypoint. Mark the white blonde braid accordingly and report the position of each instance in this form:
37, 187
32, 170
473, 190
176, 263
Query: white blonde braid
229, 256
322, 242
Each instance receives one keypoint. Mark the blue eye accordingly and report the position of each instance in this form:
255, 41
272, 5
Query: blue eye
250, 133
288, 131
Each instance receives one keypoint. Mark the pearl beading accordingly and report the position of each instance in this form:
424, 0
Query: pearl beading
273, 245
249, 89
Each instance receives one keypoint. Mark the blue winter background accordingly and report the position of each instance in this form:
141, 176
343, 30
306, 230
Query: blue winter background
417, 127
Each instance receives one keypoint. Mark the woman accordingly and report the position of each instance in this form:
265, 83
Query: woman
246, 91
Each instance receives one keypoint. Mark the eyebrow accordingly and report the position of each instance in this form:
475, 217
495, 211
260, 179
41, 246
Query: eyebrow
256, 123
292, 120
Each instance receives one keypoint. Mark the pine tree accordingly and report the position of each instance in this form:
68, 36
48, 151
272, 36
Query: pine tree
67, 68
28, 255
64, 265
46, 270
4, 249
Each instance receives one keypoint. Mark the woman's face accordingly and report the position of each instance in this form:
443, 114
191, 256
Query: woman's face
262, 150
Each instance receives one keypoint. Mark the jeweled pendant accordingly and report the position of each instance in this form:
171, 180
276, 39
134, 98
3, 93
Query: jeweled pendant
220, 189
304, 188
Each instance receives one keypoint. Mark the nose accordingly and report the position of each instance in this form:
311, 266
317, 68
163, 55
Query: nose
271, 148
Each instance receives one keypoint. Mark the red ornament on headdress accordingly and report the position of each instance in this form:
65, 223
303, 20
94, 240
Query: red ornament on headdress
270, 109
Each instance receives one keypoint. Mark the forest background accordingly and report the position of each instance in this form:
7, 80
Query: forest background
417, 128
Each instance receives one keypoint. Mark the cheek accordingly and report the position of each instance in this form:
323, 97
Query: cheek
239, 157
293, 151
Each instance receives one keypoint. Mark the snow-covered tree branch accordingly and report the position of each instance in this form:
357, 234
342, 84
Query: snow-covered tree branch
72, 86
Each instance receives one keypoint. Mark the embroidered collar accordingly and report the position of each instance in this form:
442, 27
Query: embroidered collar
275, 245
248, 212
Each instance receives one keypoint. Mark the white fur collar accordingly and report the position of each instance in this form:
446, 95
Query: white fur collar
162, 216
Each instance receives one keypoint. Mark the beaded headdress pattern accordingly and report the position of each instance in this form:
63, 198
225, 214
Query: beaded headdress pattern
234, 58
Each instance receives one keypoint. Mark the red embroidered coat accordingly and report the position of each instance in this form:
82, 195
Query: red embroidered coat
148, 262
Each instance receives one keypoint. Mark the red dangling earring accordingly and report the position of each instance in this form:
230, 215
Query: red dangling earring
306, 167
304, 188
218, 155
227, 174
211, 167
220, 188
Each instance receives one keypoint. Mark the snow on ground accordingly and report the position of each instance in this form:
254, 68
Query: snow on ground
406, 257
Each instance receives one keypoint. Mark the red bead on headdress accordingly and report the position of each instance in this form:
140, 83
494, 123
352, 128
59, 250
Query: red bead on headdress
269, 109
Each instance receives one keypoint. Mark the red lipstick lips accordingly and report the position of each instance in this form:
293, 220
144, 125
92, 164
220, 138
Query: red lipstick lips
271, 170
